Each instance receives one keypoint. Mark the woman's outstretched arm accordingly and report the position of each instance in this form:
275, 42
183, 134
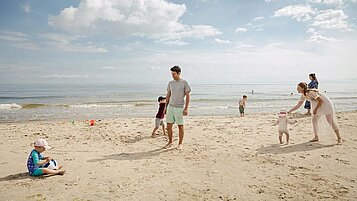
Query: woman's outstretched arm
296, 106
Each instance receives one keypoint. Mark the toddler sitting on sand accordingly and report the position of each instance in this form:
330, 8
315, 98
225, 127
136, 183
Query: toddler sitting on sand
36, 162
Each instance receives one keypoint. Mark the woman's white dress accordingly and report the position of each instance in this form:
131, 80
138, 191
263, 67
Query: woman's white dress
324, 121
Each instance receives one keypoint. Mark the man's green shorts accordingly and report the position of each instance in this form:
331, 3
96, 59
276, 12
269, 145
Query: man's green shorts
174, 115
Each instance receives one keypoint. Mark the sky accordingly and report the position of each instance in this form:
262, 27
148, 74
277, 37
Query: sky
213, 41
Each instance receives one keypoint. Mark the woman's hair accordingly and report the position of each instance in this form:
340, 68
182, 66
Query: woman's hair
314, 77
303, 85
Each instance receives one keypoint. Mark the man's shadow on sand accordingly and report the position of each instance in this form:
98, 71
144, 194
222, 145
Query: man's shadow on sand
132, 156
136, 139
22, 176
279, 149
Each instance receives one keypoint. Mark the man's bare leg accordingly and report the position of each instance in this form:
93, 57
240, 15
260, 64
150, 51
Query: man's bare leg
181, 135
169, 132
163, 129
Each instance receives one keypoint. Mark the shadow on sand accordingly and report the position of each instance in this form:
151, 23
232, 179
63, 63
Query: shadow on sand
132, 156
279, 149
136, 139
22, 176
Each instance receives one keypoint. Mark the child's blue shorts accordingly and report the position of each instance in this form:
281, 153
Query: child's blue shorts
37, 172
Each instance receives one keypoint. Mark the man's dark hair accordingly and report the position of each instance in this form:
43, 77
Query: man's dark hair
176, 69
245, 96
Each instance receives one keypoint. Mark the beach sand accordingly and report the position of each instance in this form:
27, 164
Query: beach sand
224, 158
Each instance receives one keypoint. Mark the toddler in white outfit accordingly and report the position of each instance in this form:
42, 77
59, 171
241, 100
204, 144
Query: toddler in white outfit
283, 121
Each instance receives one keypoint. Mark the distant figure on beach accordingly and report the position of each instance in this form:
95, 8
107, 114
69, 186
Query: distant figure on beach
242, 103
176, 104
252, 91
291, 93
314, 84
322, 111
36, 162
159, 119
283, 121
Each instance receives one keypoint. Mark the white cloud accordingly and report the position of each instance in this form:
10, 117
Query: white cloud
66, 76
109, 68
220, 41
258, 18
68, 43
18, 40
298, 12
260, 29
155, 68
133, 46
274, 44
26, 45
152, 18
26, 7
12, 36
7, 66
328, 2
197, 31
173, 42
317, 37
331, 19
243, 45
240, 30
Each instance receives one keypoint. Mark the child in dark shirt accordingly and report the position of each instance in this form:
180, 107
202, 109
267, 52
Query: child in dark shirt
159, 120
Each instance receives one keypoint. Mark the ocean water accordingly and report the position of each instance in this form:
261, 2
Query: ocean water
32, 102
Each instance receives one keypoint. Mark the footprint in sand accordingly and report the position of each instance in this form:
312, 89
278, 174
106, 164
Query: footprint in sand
346, 162
325, 156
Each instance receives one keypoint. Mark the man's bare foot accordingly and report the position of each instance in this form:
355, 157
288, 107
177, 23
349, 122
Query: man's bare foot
153, 135
59, 167
314, 140
61, 172
339, 141
179, 147
308, 114
281, 142
168, 145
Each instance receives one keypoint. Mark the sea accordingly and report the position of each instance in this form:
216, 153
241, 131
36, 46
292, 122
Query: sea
37, 102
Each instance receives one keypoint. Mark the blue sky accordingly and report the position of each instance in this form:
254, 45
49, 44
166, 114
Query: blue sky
137, 41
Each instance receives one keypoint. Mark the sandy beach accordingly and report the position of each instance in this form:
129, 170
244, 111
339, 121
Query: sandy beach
224, 158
